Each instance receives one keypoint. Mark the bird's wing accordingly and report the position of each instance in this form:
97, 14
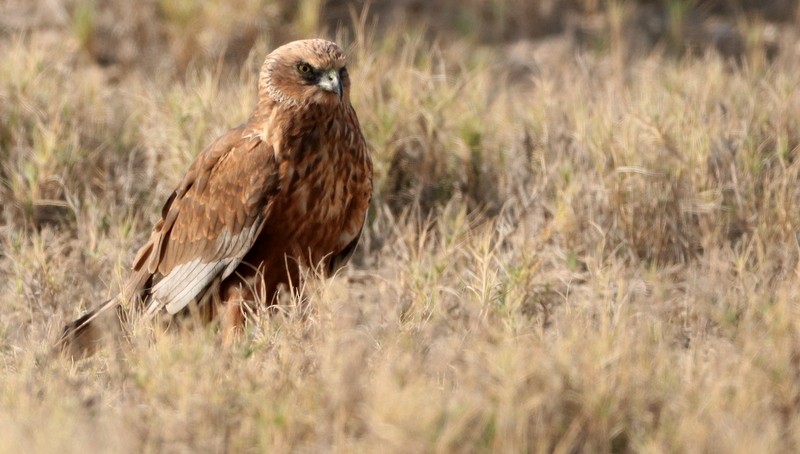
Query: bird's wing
340, 258
360, 189
211, 220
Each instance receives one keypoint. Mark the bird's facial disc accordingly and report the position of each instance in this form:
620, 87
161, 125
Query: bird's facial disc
306, 72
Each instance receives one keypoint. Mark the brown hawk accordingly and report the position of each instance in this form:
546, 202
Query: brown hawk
287, 189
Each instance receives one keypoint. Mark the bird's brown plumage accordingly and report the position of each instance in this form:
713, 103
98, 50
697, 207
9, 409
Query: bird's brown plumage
287, 189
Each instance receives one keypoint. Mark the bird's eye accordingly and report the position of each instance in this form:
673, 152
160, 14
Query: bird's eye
304, 68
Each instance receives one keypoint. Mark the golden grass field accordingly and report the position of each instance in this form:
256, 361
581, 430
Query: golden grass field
583, 238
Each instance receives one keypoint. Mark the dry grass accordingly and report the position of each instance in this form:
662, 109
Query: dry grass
577, 244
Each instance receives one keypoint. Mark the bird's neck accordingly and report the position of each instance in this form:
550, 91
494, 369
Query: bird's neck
297, 128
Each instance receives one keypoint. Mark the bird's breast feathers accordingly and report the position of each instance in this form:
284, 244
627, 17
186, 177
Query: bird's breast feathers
326, 194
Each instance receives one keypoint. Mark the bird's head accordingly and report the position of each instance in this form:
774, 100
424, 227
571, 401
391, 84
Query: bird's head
310, 71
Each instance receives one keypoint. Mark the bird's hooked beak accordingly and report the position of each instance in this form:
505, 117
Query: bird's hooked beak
331, 81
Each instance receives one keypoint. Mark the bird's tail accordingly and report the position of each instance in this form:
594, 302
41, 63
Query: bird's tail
82, 337
85, 335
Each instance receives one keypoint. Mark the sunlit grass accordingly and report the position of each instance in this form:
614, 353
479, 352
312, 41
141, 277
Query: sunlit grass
593, 251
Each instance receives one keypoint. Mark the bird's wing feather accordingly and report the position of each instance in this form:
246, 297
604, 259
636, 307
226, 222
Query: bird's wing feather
211, 220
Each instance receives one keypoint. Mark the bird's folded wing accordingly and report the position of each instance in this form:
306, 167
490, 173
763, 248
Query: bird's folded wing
211, 220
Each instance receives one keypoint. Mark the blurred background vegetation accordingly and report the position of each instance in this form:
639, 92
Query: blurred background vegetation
120, 43
168, 35
583, 236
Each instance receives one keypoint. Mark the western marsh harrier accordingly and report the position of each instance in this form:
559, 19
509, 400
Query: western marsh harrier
286, 190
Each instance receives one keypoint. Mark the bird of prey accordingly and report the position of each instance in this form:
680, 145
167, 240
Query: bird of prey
286, 190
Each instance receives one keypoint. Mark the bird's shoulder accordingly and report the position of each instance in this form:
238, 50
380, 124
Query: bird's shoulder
224, 193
